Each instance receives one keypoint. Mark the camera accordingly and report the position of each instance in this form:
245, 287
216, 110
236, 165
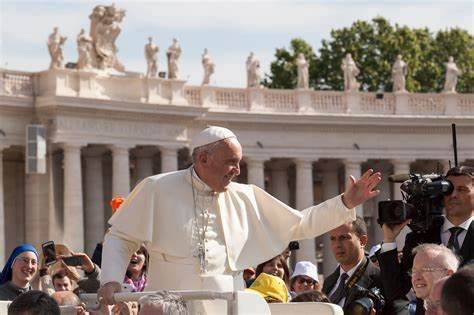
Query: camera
294, 245
422, 201
364, 300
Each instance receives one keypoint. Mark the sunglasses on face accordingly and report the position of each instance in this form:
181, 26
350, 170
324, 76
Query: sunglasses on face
306, 281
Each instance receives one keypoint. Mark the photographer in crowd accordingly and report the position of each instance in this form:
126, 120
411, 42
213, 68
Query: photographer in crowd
355, 270
455, 231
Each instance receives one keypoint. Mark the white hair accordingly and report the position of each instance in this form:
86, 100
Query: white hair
169, 304
441, 253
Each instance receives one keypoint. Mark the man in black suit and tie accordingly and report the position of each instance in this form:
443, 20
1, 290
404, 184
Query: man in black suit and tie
347, 245
456, 233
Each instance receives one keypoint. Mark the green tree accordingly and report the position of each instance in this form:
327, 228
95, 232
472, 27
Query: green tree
374, 46
283, 70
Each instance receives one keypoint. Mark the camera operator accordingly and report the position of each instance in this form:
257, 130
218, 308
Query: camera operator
355, 270
456, 232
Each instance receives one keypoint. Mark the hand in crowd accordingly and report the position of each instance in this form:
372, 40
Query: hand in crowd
390, 232
359, 191
105, 294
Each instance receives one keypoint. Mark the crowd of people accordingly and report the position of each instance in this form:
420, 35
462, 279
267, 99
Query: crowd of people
432, 274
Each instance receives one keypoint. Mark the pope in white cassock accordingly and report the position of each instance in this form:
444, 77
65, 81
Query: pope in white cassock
202, 229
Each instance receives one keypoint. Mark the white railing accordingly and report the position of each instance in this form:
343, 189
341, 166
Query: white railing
383, 104
193, 95
280, 100
329, 102
466, 104
16, 83
426, 104
137, 88
237, 99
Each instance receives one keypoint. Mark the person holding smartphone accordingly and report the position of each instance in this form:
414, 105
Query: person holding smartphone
18, 272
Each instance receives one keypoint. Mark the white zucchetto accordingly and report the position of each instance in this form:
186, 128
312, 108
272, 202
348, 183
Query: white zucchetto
210, 135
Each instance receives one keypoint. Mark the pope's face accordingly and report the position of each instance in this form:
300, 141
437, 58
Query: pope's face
222, 165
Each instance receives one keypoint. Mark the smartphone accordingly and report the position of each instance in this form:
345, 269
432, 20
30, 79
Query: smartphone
73, 260
49, 253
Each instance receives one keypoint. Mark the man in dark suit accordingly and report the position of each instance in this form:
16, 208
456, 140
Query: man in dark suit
456, 232
347, 245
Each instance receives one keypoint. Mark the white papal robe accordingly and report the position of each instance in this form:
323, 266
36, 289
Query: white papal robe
246, 226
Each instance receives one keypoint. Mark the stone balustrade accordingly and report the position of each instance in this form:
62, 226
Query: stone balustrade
134, 87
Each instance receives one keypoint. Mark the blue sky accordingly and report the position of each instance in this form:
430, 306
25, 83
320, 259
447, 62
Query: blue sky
229, 29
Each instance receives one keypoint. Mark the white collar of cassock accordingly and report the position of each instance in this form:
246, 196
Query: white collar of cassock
198, 184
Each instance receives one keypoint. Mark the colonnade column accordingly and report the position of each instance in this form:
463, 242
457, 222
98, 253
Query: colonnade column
280, 187
169, 159
3, 244
353, 167
120, 170
255, 171
73, 204
94, 216
144, 165
305, 199
330, 190
400, 166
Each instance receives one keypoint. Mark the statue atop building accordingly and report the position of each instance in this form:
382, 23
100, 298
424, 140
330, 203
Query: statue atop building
452, 73
84, 50
208, 66
303, 72
399, 71
55, 43
104, 30
151, 52
350, 70
173, 54
253, 67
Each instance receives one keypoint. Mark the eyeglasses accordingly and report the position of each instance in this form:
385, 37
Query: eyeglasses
27, 261
307, 281
424, 270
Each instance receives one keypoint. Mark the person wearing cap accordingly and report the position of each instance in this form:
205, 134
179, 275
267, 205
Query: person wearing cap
202, 229
271, 288
304, 278
18, 272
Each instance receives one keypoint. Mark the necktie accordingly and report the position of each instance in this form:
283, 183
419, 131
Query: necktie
453, 242
340, 291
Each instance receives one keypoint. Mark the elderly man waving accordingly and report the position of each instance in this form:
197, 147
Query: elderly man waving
202, 229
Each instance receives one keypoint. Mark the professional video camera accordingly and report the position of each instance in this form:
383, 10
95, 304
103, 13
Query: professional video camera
364, 300
422, 201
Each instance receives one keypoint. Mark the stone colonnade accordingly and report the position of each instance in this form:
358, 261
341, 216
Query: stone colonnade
83, 192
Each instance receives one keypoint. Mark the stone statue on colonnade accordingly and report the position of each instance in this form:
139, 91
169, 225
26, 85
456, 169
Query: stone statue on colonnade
452, 73
104, 30
399, 71
84, 50
208, 66
151, 52
350, 70
303, 72
55, 43
253, 69
173, 54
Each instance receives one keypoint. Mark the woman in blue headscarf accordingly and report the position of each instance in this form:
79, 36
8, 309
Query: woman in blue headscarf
18, 272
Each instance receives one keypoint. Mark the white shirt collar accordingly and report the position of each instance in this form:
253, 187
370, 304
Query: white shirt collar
447, 224
351, 271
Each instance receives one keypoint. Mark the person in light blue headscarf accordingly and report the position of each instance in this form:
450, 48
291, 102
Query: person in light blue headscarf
18, 272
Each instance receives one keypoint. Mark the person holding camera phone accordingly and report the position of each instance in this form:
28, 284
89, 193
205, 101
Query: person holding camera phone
202, 229
455, 232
